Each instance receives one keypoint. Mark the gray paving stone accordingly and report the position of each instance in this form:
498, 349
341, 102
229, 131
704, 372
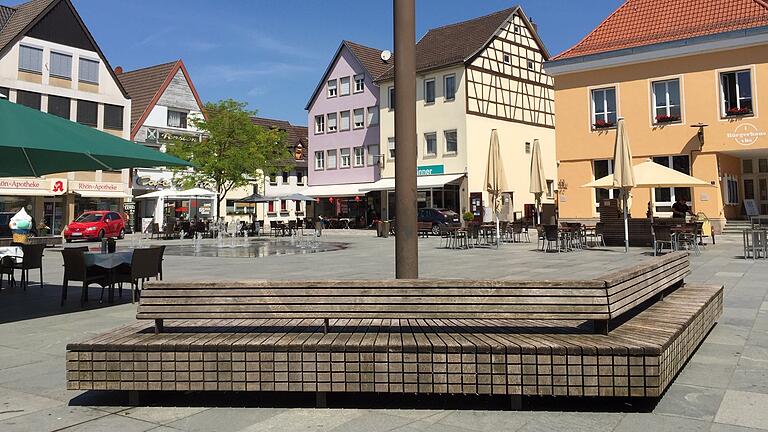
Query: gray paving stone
659, 423
555, 422
486, 421
225, 419
690, 401
718, 427
14, 403
161, 415
706, 375
752, 380
744, 409
112, 423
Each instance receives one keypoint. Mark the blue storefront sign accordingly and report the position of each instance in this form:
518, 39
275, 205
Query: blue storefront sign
427, 170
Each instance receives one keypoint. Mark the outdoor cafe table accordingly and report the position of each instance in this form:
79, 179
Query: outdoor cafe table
109, 262
15, 252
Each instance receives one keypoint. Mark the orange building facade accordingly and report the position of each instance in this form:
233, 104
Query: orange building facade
693, 102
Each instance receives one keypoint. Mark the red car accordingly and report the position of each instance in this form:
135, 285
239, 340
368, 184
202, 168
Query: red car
95, 225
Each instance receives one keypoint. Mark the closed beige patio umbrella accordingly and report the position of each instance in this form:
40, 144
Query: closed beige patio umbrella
495, 181
538, 180
623, 173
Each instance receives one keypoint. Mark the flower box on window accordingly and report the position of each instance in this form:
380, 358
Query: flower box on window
735, 112
602, 124
663, 118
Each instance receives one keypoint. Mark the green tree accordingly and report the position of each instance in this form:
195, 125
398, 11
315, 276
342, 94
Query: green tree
233, 153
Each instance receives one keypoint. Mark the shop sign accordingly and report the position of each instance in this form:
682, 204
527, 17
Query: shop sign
96, 186
172, 137
746, 134
148, 183
428, 170
54, 186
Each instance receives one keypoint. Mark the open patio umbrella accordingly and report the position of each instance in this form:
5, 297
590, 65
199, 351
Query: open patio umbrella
623, 173
538, 180
495, 179
649, 174
35, 143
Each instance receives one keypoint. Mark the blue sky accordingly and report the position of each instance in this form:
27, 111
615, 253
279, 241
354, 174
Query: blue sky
271, 54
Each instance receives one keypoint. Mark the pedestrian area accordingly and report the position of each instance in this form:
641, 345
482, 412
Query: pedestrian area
724, 387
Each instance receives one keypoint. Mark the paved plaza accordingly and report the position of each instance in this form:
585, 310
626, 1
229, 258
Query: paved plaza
723, 388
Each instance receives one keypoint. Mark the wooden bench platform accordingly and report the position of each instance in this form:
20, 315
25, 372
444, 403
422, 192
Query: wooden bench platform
639, 358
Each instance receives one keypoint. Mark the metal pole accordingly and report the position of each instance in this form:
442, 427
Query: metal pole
406, 239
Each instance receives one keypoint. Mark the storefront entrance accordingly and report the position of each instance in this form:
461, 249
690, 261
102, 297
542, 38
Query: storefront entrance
755, 182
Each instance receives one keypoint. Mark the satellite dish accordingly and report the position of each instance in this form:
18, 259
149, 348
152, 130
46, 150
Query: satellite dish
386, 55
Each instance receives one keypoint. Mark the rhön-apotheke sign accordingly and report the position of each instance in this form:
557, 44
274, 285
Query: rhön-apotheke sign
428, 170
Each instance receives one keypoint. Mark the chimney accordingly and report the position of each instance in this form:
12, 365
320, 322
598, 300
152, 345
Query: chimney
119, 70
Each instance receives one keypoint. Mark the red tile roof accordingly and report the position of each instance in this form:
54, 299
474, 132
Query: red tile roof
143, 86
646, 22
295, 135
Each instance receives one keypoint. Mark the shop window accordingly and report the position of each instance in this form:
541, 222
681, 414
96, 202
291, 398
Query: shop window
429, 91
450, 87
746, 166
30, 59
665, 197
333, 91
28, 99
177, 119
87, 113
359, 83
113, 117
736, 93
89, 71
344, 86
59, 106
61, 65
666, 101
602, 168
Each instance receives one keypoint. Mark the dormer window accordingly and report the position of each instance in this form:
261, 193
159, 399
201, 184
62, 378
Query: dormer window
30, 59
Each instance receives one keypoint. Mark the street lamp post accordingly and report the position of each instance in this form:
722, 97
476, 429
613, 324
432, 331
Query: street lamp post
406, 235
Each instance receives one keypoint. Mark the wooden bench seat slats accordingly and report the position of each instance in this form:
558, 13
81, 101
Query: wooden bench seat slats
600, 299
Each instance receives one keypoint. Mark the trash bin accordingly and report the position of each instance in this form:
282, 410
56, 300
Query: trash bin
385, 229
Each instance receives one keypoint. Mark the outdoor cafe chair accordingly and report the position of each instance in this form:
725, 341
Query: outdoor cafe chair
33, 259
755, 243
76, 270
597, 235
662, 235
554, 236
292, 227
145, 264
445, 234
6, 268
688, 238
541, 237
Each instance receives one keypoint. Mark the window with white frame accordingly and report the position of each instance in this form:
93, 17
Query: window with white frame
345, 158
429, 91
331, 155
451, 142
344, 120
319, 124
391, 101
61, 65
359, 156
359, 118
332, 126
177, 119
391, 147
88, 71
666, 101
430, 144
736, 93
550, 188
319, 160
333, 90
30, 59
373, 154
344, 86
602, 168
373, 115
665, 197
359, 83
604, 107
449, 82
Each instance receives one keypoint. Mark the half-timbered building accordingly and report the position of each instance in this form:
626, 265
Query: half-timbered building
473, 77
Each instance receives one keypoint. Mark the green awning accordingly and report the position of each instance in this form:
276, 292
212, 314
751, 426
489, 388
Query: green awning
34, 143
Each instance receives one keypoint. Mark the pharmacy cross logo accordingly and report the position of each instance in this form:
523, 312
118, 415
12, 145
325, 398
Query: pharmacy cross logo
746, 134
58, 186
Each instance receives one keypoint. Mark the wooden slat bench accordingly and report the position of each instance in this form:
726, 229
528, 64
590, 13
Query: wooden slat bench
599, 300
